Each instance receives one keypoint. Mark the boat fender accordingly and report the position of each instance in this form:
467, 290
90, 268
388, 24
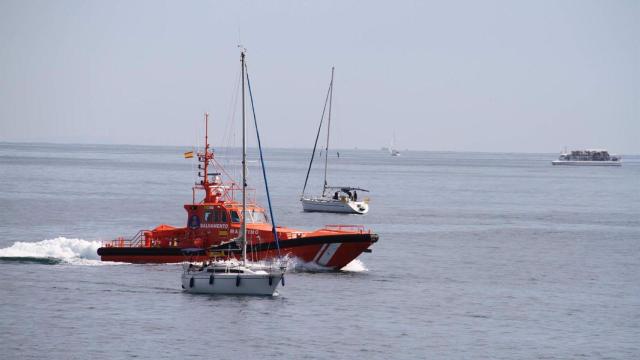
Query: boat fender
270, 280
282, 280
238, 280
191, 282
211, 279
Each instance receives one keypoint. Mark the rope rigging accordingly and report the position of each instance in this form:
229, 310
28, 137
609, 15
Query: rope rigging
315, 144
264, 171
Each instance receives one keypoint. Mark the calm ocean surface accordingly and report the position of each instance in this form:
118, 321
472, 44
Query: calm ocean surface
481, 256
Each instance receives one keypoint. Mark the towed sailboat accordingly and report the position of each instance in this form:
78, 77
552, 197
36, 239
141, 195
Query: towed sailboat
334, 199
238, 277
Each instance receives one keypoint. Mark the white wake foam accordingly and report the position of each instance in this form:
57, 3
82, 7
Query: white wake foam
71, 251
355, 266
297, 265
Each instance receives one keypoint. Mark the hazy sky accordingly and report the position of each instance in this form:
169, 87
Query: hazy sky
521, 76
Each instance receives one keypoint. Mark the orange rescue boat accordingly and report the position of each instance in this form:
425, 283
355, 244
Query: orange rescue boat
214, 222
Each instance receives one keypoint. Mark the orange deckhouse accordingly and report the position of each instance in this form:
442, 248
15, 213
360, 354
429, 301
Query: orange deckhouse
213, 225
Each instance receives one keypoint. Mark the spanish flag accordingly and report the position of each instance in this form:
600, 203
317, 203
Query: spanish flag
188, 155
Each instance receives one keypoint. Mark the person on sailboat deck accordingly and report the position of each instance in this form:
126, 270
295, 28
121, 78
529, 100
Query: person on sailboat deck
355, 195
335, 196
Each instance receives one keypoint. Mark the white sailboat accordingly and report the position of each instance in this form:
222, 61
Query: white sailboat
334, 199
392, 150
231, 276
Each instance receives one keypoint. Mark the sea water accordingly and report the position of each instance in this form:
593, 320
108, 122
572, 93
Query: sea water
481, 256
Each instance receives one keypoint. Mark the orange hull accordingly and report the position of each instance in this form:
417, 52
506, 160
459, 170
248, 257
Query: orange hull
333, 251
218, 219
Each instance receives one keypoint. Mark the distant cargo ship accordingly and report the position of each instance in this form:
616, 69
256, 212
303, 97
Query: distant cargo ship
589, 157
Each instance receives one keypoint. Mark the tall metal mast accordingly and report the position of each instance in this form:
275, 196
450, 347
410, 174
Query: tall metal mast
205, 183
326, 150
203, 163
243, 228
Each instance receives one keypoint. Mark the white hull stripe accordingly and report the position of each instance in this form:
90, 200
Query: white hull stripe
328, 254
322, 248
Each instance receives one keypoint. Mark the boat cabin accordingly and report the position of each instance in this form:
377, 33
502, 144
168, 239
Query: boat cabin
588, 155
222, 215
345, 193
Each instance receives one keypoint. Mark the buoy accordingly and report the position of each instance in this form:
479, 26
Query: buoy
282, 280
238, 280
270, 280
191, 282
211, 279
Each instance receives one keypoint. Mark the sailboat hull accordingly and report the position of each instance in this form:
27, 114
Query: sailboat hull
334, 206
231, 283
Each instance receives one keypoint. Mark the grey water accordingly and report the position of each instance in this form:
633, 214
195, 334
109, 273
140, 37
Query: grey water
481, 256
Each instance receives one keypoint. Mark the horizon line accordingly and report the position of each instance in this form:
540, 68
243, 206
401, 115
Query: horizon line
284, 148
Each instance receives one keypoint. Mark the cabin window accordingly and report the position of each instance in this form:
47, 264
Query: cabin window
223, 216
216, 216
258, 217
208, 216
234, 216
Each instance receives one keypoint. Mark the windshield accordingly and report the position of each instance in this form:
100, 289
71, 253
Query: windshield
256, 217
253, 216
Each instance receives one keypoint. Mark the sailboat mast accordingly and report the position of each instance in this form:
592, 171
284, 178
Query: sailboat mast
243, 228
393, 142
326, 150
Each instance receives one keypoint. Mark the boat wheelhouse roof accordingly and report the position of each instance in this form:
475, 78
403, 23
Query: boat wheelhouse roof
596, 150
590, 150
346, 188
587, 152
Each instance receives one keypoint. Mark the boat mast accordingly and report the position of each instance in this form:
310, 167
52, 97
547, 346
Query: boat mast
393, 142
203, 160
326, 150
243, 226
315, 144
206, 155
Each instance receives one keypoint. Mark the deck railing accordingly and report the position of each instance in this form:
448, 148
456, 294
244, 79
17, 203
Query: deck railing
357, 228
134, 241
